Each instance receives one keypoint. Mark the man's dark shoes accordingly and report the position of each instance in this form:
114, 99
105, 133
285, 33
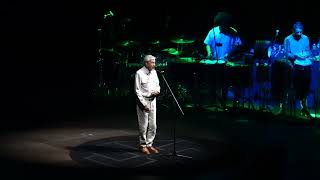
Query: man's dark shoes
144, 150
153, 150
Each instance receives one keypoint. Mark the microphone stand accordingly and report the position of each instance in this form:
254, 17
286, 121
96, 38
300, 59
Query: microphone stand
174, 153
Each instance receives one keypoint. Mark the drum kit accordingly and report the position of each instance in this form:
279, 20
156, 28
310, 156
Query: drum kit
126, 56
184, 68
179, 57
130, 49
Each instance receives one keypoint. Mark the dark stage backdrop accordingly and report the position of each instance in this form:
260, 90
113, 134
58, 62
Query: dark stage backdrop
49, 48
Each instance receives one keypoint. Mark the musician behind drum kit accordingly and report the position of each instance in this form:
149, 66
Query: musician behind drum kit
220, 42
297, 50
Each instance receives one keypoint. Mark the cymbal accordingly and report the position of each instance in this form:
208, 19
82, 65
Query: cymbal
128, 43
155, 42
172, 51
182, 41
186, 60
104, 50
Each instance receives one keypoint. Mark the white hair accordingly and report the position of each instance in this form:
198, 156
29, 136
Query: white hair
149, 57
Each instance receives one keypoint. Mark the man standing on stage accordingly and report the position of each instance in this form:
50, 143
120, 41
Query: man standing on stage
147, 88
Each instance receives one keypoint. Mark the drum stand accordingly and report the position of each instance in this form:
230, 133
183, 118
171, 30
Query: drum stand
248, 99
245, 86
263, 91
316, 100
221, 92
101, 85
316, 94
100, 67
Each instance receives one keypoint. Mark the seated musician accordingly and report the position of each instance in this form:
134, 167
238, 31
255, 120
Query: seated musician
297, 49
220, 42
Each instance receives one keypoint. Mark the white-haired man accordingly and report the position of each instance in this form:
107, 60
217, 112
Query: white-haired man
147, 88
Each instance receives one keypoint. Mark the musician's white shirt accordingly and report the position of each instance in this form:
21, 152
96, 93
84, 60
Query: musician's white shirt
300, 48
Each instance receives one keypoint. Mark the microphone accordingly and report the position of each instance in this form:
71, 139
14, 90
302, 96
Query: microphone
160, 71
277, 32
276, 35
110, 13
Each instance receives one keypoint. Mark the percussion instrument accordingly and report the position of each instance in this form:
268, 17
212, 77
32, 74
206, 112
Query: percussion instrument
171, 51
212, 61
182, 41
238, 74
128, 44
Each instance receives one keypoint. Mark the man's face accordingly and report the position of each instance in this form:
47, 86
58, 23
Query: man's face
297, 32
151, 64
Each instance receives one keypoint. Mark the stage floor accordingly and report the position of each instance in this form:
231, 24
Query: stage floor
103, 141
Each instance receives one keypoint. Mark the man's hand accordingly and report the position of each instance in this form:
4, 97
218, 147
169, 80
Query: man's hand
302, 56
298, 57
146, 109
155, 94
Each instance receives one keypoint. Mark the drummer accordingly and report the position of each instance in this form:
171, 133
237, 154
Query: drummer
220, 41
297, 48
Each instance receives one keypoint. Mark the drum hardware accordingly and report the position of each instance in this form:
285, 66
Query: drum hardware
100, 59
211, 61
262, 74
316, 71
186, 60
239, 78
131, 50
264, 88
155, 42
110, 50
182, 41
261, 48
172, 51
121, 65
100, 66
316, 101
101, 89
281, 84
128, 44
220, 88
